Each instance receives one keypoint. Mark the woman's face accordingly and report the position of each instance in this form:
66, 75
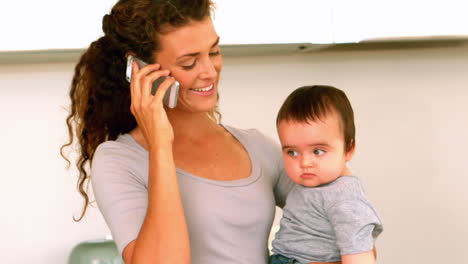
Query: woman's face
192, 55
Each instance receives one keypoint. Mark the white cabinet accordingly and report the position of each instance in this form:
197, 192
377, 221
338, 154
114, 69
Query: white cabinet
274, 21
358, 20
51, 24
58, 24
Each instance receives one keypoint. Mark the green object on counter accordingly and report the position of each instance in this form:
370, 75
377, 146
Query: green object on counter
95, 252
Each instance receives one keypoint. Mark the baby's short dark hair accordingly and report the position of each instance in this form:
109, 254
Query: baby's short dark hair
309, 103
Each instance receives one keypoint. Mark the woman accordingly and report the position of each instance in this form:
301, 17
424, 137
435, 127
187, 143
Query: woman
173, 185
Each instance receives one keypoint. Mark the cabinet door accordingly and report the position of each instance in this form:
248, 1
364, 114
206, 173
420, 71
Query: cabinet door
51, 24
370, 19
274, 21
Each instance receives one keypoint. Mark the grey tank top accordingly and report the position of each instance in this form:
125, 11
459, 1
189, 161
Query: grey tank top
228, 221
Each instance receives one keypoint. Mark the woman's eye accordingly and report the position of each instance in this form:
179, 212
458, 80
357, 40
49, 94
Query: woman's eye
292, 153
215, 53
189, 67
319, 152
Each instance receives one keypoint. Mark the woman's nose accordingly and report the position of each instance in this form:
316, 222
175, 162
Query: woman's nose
208, 70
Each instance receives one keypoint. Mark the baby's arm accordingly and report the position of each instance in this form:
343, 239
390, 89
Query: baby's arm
361, 258
356, 226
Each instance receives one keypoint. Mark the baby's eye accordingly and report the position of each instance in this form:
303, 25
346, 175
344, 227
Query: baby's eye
292, 153
319, 152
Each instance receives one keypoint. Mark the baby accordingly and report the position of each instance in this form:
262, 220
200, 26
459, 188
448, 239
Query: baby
327, 217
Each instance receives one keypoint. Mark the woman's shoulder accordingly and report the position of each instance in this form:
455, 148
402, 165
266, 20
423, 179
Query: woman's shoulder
123, 150
242, 131
120, 160
252, 136
123, 142
262, 146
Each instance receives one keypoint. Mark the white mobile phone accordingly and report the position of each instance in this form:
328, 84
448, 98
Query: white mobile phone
170, 98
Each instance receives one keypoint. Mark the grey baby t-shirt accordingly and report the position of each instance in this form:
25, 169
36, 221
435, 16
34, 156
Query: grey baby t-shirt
320, 224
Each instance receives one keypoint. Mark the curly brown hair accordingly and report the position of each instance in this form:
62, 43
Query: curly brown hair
99, 93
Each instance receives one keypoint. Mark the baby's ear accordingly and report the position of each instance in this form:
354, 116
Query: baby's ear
350, 153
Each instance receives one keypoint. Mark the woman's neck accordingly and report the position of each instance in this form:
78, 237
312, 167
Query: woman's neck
191, 125
186, 126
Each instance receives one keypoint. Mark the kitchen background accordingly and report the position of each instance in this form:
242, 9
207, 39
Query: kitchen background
409, 93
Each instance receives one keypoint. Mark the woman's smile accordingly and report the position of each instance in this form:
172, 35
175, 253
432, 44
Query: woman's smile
204, 91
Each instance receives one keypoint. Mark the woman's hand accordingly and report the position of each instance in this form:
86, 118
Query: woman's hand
148, 110
163, 234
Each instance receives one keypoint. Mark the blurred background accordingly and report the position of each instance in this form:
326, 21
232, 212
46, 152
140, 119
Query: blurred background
403, 65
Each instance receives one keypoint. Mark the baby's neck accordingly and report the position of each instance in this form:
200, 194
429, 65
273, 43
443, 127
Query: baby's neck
346, 171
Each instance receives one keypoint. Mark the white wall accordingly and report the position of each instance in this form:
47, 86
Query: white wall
38, 197
412, 137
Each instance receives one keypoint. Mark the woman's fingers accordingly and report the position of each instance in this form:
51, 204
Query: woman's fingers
135, 91
147, 109
141, 85
147, 82
159, 95
146, 76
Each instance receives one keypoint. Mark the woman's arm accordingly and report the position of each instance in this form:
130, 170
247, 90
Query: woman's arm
163, 235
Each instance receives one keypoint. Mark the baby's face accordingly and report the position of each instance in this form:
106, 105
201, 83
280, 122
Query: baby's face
313, 152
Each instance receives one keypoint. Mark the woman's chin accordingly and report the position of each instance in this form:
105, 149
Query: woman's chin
197, 107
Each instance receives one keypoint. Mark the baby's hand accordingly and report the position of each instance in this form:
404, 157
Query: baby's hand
361, 258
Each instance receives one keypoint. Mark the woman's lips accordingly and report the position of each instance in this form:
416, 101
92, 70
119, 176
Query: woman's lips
204, 91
